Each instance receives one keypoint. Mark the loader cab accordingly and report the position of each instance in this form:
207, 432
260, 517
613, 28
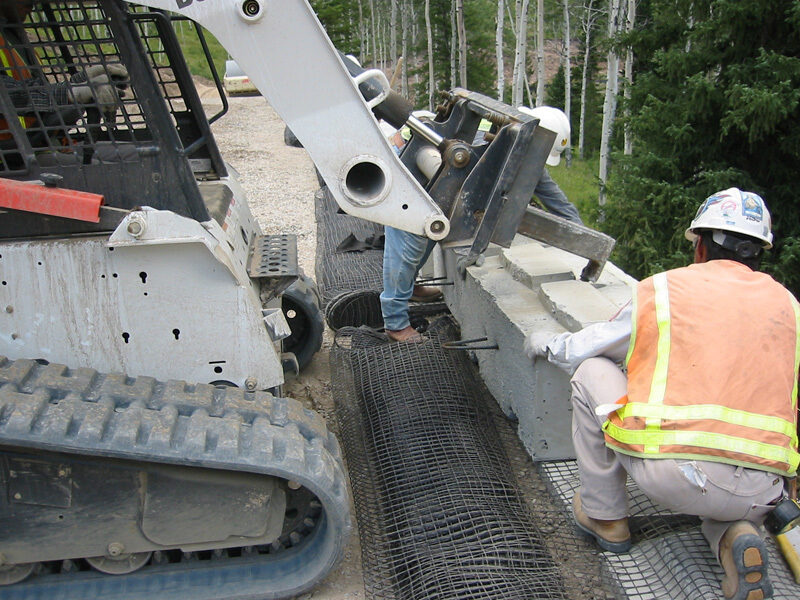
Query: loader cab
155, 150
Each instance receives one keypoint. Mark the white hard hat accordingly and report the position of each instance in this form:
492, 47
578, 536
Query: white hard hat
735, 211
555, 120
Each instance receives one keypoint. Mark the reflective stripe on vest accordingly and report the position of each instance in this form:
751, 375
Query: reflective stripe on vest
698, 395
12, 61
14, 67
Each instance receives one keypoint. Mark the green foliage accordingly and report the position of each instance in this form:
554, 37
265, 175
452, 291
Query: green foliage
554, 96
480, 25
193, 51
579, 183
340, 20
716, 104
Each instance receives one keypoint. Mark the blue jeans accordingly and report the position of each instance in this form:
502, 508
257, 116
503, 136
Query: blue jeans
554, 200
403, 255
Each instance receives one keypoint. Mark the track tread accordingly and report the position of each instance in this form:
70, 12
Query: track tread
81, 411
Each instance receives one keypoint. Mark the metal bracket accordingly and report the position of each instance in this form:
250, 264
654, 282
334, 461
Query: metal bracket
273, 260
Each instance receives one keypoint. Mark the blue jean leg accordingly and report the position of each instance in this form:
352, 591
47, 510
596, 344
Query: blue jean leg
554, 199
403, 255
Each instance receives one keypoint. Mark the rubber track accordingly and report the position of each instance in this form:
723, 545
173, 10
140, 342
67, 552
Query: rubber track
81, 411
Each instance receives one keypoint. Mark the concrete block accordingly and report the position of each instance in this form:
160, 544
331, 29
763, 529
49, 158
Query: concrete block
576, 304
534, 264
490, 303
504, 297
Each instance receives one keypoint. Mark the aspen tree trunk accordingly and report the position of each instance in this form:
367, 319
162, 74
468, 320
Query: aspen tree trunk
520, 77
362, 32
567, 79
393, 36
453, 44
589, 16
374, 33
610, 102
462, 44
629, 23
431, 83
404, 56
501, 76
540, 76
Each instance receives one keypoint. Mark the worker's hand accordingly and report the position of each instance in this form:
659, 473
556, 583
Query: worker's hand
103, 86
536, 343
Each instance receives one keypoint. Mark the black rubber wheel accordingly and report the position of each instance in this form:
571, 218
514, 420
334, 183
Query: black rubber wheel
300, 304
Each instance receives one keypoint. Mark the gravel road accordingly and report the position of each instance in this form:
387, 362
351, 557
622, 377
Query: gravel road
280, 183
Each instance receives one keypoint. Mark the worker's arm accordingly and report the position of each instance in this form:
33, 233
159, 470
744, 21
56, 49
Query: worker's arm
568, 350
30, 94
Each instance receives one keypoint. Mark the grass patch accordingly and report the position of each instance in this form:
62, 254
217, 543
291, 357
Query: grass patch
580, 184
193, 51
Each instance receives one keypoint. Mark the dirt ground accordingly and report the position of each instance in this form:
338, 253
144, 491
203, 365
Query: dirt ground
280, 183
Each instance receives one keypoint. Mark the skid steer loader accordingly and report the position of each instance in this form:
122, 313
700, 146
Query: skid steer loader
127, 246
130, 263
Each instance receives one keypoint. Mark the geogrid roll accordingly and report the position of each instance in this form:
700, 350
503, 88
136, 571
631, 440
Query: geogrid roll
340, 272
439, 509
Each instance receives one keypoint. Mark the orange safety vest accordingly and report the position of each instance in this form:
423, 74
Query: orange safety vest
712, 369
14, 66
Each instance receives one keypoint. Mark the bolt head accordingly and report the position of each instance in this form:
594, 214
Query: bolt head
115, 549
250, 384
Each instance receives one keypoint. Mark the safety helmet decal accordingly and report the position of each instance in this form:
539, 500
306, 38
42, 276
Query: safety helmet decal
735, 211
752, 209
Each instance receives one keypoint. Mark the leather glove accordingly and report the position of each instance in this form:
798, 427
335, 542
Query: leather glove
536, 343
103, 86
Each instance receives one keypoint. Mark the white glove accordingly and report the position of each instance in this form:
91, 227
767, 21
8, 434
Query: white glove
103, 86
536, 343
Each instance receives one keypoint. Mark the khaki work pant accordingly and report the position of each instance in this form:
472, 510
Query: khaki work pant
718, 493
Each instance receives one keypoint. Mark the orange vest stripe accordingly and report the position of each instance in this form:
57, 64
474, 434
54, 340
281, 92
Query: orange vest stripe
12, 61
15, 67
691, 392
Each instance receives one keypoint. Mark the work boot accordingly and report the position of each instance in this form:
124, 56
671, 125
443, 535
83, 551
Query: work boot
613, 536
424, 293
743, 555
408, 334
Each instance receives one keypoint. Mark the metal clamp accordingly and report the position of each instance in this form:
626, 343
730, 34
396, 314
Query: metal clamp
470, 344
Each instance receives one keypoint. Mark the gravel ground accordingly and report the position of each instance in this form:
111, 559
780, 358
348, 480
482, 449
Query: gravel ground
280, 182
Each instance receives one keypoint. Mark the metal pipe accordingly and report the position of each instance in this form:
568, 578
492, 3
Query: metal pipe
426, 132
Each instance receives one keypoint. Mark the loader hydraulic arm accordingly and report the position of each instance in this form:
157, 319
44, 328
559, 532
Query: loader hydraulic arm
286, 53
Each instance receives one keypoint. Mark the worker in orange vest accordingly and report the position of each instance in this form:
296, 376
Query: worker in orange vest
98, 85
705, 422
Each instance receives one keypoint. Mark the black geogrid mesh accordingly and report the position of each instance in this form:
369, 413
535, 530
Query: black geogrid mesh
670, 558
340, 272
439, 509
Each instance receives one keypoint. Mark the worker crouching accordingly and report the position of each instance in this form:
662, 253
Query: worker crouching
705, 421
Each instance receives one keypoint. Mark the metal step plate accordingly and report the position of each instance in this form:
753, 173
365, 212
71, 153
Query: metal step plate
273, 260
